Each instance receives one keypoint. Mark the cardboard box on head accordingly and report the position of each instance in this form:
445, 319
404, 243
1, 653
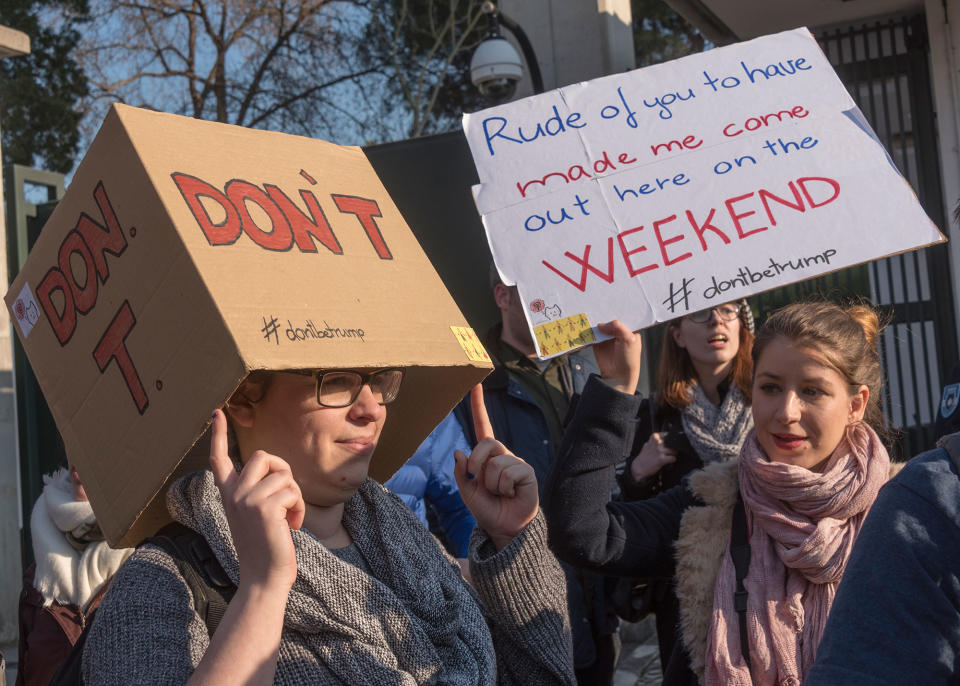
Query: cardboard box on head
188, 253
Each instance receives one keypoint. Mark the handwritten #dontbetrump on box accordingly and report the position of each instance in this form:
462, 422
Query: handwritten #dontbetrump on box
646, 195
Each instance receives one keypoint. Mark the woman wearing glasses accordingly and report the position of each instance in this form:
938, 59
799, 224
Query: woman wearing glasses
755, 547
699, 415
336, 580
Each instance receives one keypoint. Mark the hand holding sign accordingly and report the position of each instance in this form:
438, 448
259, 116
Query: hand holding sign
619, 356
262, 504
502, 495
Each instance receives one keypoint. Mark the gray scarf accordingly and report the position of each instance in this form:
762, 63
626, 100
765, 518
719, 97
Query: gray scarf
414, 621
717, 433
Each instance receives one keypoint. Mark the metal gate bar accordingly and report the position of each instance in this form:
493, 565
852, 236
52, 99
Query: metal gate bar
884, 66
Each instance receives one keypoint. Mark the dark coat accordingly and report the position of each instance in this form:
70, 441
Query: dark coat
896, 617
587, 529
682, 533
47, 634
665, 419
637, 596
517, 420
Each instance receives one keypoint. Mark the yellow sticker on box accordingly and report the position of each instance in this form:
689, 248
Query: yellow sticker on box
470, 343
564, 334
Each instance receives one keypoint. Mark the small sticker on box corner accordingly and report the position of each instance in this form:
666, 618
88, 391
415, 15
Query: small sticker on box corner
25, 310
470, 343
564, 334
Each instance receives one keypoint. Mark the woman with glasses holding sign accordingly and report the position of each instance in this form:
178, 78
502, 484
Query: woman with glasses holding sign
699, 415
334, 579
755, 547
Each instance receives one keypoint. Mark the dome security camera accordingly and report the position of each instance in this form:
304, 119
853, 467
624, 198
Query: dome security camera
496, 68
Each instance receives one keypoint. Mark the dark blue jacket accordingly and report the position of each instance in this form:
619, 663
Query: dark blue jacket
427, 478
896, 617
517, 421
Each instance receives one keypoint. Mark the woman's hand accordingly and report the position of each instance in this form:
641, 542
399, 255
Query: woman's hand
262, 504
619, 357
502, 493
653, 457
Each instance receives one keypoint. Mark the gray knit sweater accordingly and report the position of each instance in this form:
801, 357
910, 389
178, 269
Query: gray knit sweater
412, 621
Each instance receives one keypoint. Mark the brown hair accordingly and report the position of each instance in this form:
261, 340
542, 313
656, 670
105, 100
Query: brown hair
846, 337
676, 375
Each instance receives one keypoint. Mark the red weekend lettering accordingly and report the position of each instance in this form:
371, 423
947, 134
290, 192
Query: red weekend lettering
736, 217
631, 270
803, 189
765, 194
664, 243
587, 267
700, 229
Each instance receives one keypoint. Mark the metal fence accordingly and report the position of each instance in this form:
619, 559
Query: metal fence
884, 66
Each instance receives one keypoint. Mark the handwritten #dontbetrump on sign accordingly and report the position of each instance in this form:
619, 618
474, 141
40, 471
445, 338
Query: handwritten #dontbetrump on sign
647, 195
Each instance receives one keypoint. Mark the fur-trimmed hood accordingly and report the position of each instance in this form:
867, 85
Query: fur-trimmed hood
699, 550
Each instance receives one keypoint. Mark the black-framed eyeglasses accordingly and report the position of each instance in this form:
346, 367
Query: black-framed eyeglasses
339, 388
727, 313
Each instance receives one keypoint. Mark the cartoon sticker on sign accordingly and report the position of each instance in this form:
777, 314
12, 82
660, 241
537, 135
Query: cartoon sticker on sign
25, 310
647, 195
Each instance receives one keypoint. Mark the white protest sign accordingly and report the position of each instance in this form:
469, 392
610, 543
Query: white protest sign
646, 195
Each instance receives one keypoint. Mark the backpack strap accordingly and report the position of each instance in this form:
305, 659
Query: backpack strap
740, 553
69, 673
209, 584
211, 587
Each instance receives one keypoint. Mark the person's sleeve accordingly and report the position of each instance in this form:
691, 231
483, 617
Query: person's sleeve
524, 594
895, 619
44, 642
146, 630
443, 493
409, 482
587, 529
27, 614
630, 488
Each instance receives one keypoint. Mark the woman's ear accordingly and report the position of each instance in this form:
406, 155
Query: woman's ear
240, 407
858, 404
677, 335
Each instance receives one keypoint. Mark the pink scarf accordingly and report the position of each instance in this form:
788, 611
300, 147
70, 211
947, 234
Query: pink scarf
802, 528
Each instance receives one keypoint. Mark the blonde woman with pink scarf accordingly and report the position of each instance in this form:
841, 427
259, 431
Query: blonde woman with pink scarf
806, 477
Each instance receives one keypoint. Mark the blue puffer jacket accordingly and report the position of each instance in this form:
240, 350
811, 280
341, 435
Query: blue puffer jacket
427, 477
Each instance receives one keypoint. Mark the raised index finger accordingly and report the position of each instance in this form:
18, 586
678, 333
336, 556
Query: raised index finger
220, 463
481, 422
